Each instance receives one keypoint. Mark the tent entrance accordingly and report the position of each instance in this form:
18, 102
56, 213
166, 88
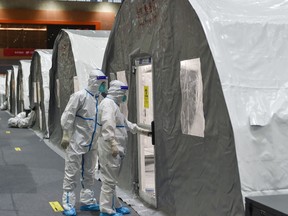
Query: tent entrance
145, 117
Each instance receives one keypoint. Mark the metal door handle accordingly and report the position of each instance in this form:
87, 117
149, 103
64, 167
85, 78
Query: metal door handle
153, 132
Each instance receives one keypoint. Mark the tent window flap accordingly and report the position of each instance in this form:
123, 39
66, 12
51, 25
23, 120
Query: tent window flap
192, 114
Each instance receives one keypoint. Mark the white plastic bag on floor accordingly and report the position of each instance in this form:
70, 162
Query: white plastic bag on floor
13, 122
28, 121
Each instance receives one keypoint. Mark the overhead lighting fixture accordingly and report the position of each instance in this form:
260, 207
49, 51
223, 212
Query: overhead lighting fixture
23, 29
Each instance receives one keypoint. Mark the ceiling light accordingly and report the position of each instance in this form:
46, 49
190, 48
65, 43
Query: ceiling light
23, 29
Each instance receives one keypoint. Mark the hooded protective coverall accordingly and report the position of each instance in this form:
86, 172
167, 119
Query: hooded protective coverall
79, 123
112, 139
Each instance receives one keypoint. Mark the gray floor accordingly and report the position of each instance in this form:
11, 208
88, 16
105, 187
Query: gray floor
32, 177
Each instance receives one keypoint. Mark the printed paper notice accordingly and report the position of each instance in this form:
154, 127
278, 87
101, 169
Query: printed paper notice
146, 97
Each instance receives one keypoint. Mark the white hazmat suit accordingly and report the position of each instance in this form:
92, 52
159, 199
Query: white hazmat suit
79, 124
112, 139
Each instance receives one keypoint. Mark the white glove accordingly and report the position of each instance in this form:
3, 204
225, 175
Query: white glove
114, 149
143, 131
65, 140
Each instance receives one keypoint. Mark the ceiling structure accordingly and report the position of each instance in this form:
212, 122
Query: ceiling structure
34, 24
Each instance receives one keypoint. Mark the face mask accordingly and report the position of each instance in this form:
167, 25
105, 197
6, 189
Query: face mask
124, 98
102, 88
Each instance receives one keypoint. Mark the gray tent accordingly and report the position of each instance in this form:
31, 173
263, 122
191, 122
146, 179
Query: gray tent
2, 88
13, 90
22, 87
39, 88
75, 53
160, 48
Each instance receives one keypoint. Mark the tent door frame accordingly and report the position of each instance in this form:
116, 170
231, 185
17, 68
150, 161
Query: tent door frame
144, 193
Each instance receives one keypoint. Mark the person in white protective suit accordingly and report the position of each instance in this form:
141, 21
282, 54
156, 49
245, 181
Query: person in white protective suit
79, 124
112, 139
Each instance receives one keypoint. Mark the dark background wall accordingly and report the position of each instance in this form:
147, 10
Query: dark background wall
44, 19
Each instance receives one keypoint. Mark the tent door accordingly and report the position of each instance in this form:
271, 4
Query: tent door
145, 117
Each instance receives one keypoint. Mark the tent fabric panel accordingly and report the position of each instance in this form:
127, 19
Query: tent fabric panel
61, 84
248, 40
2, 84
12, 92
2, 89
15, 69
8, 79
194, 174
46, 63
25, 65
87, 59
35, 67
39, 78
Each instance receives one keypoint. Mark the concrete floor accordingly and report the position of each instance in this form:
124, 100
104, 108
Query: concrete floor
31, 174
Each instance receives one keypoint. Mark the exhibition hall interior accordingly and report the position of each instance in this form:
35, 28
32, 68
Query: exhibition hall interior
143, 107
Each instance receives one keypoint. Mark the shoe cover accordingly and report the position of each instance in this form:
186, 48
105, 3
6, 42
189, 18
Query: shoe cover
123, 210
114, 214
92, 207
71, 212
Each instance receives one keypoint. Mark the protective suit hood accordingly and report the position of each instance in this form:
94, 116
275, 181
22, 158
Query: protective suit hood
96, 78
117, 91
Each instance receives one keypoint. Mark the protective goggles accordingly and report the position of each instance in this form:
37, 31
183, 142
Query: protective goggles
102, 77
124, 87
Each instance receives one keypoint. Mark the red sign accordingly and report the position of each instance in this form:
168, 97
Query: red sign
17, 52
